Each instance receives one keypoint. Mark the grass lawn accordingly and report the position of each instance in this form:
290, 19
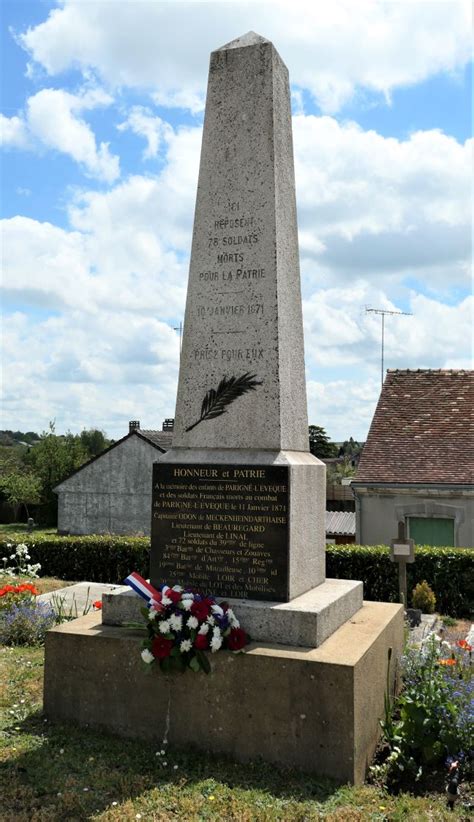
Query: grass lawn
22, 528
57, 772
54, 772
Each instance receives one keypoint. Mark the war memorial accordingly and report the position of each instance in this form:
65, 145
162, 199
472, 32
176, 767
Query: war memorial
238, 502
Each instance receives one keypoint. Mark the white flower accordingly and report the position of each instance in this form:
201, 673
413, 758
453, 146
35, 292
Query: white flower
204, 629
176, 622
177, 588
147, 656
186, 604
165, 600
4, 559
233, 621
185, 645
216, 609
152, 614
216, 643
12, 556
210, 620
164, 626
188, 595
192, 622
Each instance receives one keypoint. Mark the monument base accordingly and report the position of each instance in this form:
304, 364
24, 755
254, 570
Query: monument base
307, 620
316, 710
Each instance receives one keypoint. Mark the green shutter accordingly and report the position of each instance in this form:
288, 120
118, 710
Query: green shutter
431, 531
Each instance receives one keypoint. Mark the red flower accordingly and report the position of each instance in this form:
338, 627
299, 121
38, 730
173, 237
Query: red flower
201, 642
464, 644
236, 639
174, 596
449, 661
161, 647
97, 605
200, 610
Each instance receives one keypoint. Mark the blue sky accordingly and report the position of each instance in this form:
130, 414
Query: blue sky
102, 106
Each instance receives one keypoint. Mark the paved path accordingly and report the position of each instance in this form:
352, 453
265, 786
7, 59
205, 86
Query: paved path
77, 599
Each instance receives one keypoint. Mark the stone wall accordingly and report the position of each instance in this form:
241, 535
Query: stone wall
112, 494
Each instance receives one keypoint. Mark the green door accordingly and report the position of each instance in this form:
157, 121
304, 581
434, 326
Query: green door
431, 531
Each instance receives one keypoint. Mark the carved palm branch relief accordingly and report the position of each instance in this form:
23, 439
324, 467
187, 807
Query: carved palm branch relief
216, 402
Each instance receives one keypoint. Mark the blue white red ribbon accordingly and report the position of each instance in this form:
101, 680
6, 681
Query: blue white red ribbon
143, 588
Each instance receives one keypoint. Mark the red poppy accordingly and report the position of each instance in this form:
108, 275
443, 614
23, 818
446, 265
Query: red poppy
161, 647
464, 644
236, 639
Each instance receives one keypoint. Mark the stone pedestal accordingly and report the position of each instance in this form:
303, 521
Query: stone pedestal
314, 709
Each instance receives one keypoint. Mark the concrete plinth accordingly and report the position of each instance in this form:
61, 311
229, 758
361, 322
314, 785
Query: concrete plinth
314, 709
307, 620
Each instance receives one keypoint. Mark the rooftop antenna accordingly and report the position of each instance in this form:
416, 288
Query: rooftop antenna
382, 313
180, 329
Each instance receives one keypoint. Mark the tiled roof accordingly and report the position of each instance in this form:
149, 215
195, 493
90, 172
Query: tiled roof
341, 522
162, 439
422, 430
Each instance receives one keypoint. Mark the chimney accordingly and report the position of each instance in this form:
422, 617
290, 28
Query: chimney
133, 425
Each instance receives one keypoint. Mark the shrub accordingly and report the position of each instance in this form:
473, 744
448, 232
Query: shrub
422, 597
26, 623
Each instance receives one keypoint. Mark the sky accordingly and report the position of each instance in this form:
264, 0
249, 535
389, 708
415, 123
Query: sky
102, 108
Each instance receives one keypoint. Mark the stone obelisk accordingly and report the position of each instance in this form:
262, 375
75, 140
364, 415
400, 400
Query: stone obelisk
239, 502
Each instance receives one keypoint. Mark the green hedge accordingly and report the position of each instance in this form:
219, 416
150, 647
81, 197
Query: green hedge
449, 571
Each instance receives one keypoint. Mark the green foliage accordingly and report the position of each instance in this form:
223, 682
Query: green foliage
319, 443
423, 597
93, 441
21, 488
349, 448
52, 460
340, 470
433, 717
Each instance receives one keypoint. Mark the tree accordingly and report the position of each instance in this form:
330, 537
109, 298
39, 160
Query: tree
21, 489
319, 443
341, 470
94, 441
349, 448
53, 459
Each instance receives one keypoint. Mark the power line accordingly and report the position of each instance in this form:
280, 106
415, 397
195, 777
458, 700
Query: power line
383, 312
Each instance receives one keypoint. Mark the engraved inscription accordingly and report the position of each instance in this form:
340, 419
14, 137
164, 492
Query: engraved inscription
222, 529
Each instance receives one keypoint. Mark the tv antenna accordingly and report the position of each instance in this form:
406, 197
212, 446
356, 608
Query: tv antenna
382, 313
180, 329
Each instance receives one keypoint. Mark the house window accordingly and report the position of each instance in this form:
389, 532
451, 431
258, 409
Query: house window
431, 530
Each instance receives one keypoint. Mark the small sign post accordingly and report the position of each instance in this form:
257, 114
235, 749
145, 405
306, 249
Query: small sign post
402, 551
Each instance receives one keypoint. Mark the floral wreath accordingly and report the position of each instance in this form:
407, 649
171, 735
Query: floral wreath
182, 624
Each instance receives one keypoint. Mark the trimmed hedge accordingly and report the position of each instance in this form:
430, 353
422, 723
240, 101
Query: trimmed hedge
449, 571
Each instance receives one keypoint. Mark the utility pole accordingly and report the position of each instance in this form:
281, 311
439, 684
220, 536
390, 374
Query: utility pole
383, 312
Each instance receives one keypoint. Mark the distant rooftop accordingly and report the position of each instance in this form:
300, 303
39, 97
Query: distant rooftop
422, 430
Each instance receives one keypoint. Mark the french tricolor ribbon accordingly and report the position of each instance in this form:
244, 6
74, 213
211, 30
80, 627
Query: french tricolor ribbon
143, 588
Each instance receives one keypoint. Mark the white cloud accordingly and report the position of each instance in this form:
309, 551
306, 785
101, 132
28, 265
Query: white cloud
13, 132
159, 46
153, 129
52, 119
371, 206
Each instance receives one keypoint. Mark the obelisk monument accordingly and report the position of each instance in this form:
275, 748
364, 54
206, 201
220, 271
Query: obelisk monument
239, 501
